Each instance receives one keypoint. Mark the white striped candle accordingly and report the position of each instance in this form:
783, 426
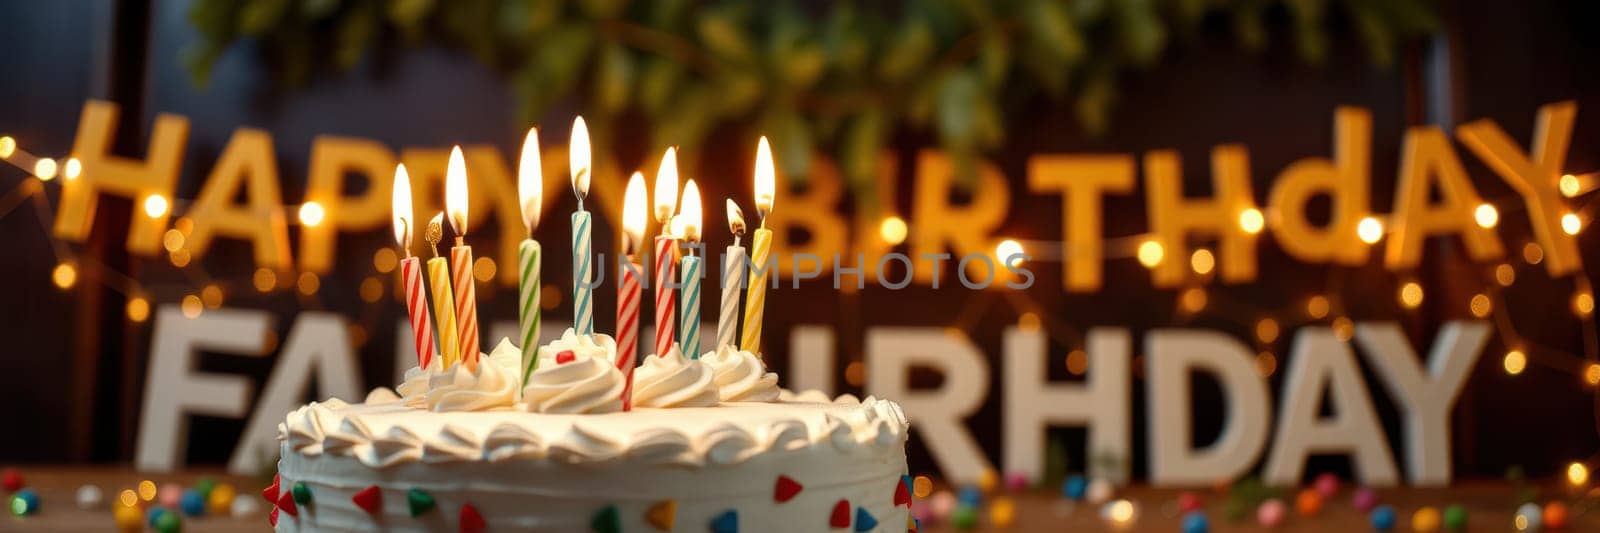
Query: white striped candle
689, 316
732, 282
529, 256
582, 274
666, 326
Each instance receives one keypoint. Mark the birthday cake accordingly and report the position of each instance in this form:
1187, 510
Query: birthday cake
710, 444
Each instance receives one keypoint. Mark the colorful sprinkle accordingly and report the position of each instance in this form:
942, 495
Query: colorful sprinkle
1383, 518
1425, 520
1364, 499
902, 495
370, 499
1326, 484
1074, 487
271, 492
286, 502
1195, 522
11, 479
1189, 501
606, 520
662, 515
25, 502
864, 520
220, 500
964, 517
786, 489
971, 496
471, 521
272, 517
841, 515
192, 503
128, 519
419, 501
565, 356
153, 514
727, 522
302, 493
168, 523
1455, 518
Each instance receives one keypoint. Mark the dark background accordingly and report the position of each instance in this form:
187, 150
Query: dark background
73, 371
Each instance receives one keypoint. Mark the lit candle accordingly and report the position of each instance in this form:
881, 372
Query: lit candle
530, 189
411, 269
666, 251
455, 203
733, 280
760, 250
582, 273
628, 295
689, 317
444, 300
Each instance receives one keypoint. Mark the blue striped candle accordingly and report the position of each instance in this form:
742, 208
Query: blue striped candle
582, 275
689, 314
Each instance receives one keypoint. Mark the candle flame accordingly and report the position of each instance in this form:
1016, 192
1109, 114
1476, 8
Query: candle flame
455, 191
401, 207
735, 218
765, 177
633, 215
530, 181
689, 212
667, 185
578, 159
435, 232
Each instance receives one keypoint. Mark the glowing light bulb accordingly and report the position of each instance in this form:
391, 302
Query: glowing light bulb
1569, 185
1009, 252
138, 309
1151, 253
155, 206
1251, 221
1411, 295
311, 214
1370, 230
1514, 362
1486, 215
8, 146
73, 168
893, 230
1577, 474
1202, 261
1571, 224
45, 168
65, 275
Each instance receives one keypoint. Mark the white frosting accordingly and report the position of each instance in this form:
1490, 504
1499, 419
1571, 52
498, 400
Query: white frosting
673, 381
589, 383
741, 376
492, 384
415, 386
526, 471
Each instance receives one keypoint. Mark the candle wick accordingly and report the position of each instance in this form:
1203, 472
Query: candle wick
460, 240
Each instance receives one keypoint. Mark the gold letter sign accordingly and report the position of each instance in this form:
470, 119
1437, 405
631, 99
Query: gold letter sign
130, 178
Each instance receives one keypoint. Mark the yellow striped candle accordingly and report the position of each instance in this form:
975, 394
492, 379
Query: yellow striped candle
760, 250
755, 301
444, 312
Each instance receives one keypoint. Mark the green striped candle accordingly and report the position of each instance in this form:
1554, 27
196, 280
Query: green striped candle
528, 256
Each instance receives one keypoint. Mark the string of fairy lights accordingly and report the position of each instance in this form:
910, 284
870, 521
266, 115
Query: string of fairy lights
1267, 325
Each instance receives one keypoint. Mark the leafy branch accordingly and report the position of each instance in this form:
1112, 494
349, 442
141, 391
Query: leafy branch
842, 77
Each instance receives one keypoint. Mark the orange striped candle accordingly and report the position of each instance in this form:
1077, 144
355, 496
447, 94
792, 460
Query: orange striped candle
466, 301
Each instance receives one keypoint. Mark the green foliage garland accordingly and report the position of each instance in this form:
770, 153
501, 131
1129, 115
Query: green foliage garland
840, 75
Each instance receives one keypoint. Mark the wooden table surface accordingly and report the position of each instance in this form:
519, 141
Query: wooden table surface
1489, 504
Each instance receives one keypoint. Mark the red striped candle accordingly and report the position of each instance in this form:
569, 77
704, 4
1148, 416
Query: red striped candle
466, 304
628, 327
666, 299
417, 308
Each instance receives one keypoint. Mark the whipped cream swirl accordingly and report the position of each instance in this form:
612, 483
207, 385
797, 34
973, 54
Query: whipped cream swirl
415, 386
741, 376
492, 384
673, 381
589, 382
